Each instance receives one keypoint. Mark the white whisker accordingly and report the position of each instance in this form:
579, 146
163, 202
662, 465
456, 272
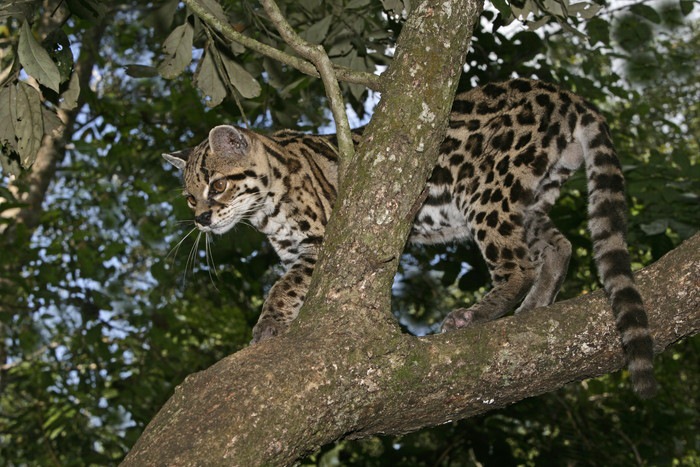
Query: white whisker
209, 256
173, 251
192, 255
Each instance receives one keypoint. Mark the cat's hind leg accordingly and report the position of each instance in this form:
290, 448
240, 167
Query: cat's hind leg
550, 252
512, 272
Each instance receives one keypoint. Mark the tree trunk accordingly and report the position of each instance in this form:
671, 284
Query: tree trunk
344, 369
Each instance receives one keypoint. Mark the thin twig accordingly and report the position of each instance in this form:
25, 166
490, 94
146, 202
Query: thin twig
228, 32
317, 55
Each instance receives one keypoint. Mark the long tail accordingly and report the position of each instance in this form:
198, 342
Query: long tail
607, 212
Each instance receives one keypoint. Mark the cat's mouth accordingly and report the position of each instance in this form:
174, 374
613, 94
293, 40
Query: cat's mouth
220, 227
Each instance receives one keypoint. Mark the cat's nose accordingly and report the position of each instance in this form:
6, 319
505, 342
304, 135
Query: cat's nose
204, 218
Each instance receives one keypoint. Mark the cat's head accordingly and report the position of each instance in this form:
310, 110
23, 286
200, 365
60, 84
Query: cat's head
225, 178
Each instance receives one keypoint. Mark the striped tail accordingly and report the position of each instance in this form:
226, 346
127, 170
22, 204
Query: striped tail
607, 212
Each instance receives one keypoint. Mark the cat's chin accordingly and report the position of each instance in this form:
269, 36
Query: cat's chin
222, 226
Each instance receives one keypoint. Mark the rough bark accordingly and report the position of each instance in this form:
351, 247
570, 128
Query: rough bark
272, 403
344, 369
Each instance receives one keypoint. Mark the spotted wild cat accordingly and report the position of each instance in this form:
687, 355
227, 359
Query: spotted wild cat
508, 149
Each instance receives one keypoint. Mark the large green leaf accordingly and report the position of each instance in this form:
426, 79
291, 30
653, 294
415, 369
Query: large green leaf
7, 130
318, 31
178, 51
36, 61
215, 9
598, 31
241, 79
646, 12
22, 121
209, 82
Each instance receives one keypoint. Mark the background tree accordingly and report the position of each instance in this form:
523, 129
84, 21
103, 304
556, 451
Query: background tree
99, 323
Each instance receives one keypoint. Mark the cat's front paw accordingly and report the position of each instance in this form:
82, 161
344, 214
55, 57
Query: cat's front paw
265, 329
459, 318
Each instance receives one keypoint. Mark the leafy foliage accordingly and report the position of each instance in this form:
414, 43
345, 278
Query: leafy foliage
108, 303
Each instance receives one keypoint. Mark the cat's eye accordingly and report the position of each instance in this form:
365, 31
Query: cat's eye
191, 201
217, 186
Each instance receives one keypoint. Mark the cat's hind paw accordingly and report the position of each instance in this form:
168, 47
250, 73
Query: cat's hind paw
266, 329
459, 318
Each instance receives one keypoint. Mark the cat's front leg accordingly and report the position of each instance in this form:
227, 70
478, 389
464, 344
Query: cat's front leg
284, 300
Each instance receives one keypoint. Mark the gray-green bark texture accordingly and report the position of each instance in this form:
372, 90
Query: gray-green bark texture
344, 369
274, 402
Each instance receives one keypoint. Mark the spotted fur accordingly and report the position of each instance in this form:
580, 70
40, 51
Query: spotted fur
508, 149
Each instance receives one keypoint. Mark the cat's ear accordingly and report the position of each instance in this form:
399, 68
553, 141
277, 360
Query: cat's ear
178, 158
227, 140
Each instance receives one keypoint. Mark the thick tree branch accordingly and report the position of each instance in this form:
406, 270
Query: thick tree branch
229, 33
271, 403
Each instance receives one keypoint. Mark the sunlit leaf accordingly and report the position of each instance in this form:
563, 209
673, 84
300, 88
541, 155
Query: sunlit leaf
7, 129
23, 125
585, 10
36, 61
395, 6
178, 50
555, 7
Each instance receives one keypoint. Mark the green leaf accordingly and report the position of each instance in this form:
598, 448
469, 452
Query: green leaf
656, 227
241, 79
318, 31
395, 6
353, 4
584, 9
340, 48
598, 30
208, 81
51, 121
178, 50
7, 131
36, 60
687, 7
215, 9
646, 12
19, 9
162, 17
57, 44
503, 8
29, 123
69, 97
90, 10
632, 34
